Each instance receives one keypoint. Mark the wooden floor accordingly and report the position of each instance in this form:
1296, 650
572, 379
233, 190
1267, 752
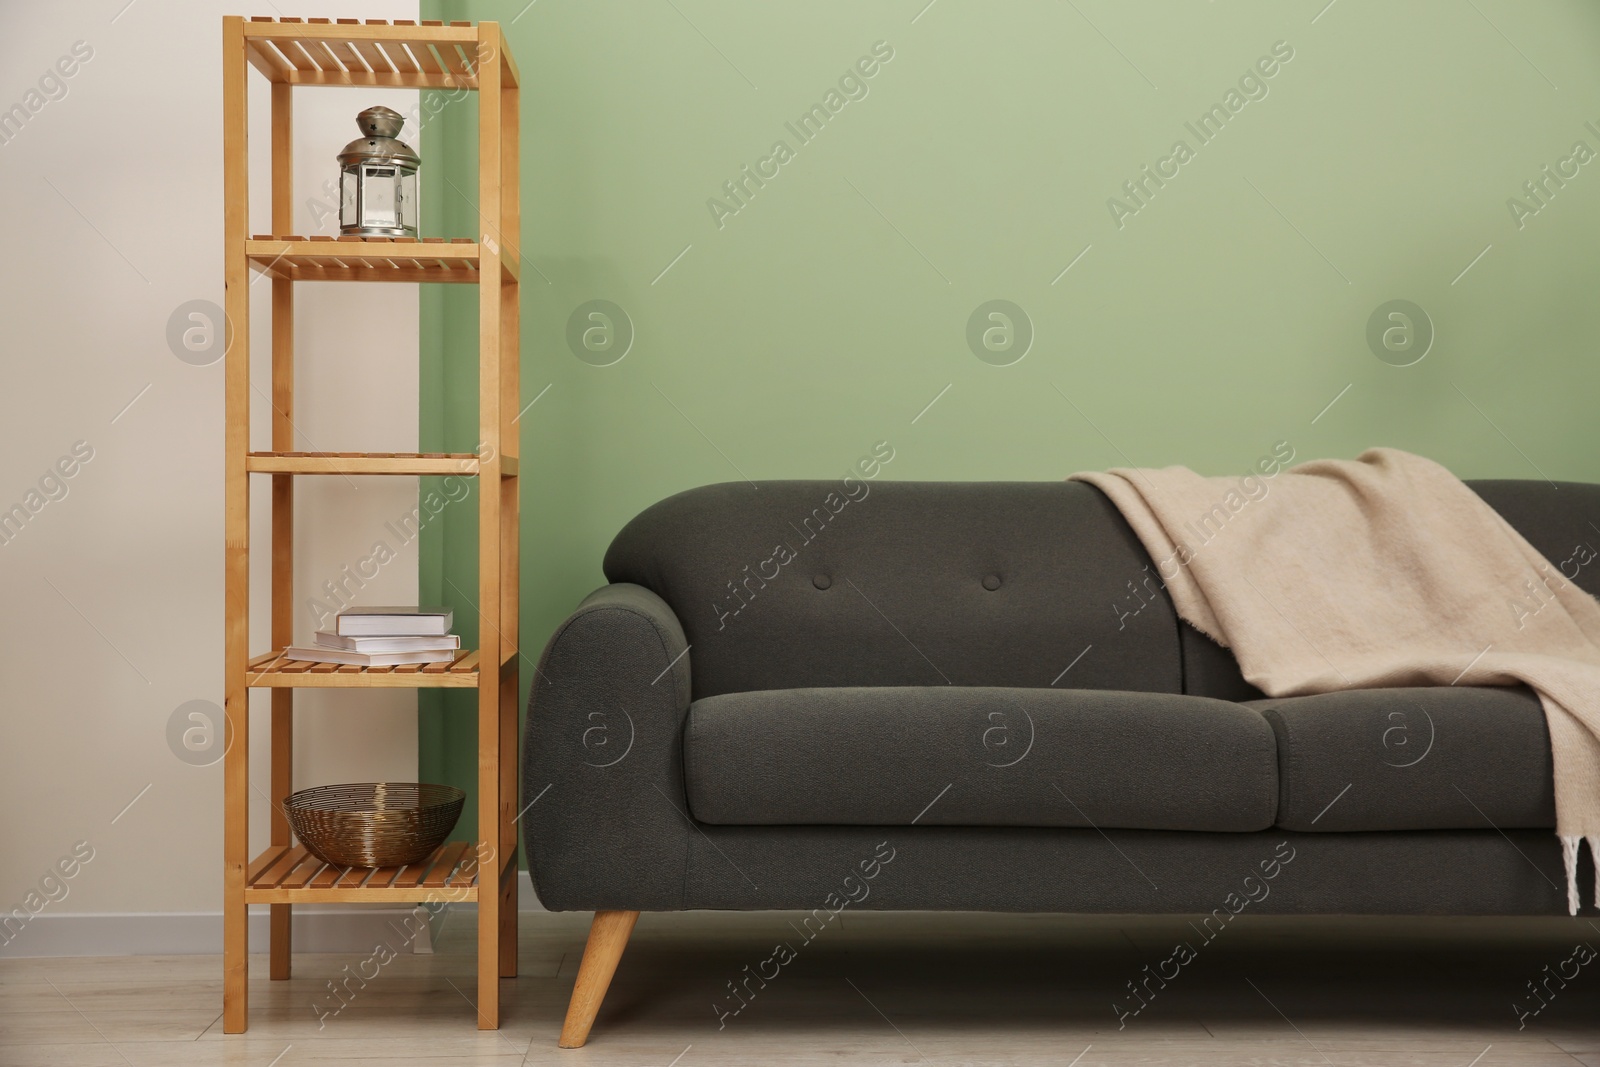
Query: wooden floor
868, 989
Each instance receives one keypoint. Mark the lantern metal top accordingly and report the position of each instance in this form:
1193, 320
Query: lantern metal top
379, 145
380, 121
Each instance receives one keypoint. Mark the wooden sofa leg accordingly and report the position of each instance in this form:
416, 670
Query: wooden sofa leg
608, 936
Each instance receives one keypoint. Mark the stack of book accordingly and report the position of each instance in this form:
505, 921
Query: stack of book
383, 637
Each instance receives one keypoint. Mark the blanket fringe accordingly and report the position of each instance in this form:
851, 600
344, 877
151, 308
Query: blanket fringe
1569, 853
1594, 857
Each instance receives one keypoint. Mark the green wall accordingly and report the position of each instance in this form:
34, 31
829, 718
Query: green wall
1219, 318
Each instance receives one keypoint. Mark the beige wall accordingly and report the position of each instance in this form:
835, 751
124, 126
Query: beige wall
113, 599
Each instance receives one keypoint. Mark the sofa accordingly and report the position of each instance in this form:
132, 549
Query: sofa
978, 696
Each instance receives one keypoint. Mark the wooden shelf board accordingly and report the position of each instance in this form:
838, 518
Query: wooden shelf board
271, 671
365, 259
362, 463
288, 874
419, 463
371, 53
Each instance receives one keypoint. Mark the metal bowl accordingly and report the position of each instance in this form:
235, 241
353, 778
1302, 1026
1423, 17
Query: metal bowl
374, 824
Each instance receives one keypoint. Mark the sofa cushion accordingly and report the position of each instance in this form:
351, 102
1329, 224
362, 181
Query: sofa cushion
1431, 758
980, 756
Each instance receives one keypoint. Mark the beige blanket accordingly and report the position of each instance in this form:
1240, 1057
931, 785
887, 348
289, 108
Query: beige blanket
1382, 571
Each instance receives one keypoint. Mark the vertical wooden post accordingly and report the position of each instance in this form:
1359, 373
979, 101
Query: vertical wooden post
282, 501
510, 513
492, 645
236, 762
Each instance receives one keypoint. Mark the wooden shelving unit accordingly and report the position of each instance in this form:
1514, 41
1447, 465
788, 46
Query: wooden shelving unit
290, 53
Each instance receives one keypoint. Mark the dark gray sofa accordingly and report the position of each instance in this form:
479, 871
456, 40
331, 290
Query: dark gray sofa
988, 678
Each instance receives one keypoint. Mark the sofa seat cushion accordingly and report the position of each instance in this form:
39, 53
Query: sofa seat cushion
1430, 758
980, 756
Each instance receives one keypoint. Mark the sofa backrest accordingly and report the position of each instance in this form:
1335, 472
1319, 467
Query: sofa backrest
1560, 519
856, 583
828, 583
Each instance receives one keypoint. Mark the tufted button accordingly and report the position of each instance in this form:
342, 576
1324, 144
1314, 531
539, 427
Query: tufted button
992, 582
822, 581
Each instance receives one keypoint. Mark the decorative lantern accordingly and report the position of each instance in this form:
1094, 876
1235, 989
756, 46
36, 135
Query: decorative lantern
378, 179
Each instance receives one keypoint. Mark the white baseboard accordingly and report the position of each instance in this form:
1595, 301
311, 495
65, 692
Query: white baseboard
317, 928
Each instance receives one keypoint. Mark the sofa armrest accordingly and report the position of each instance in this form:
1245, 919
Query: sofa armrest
604, 812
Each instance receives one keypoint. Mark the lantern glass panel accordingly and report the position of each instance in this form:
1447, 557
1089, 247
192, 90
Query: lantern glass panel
408, 201
378, 197
349, 181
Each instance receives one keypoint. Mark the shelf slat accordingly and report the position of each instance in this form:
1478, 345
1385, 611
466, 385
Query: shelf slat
446, 866
329, 877
417, 873
293, 876
277, 673
279, 869
265, 860
303, 873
